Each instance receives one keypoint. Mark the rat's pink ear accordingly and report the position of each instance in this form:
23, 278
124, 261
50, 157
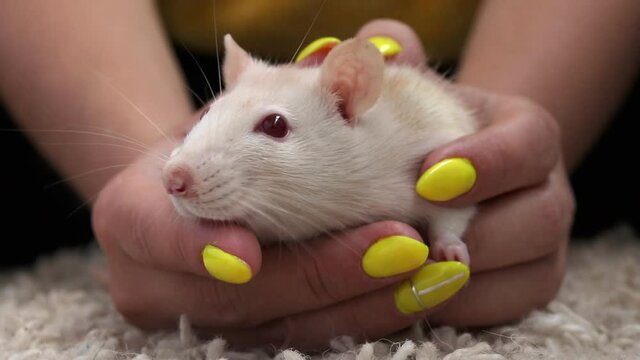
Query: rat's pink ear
353, 70
236, 60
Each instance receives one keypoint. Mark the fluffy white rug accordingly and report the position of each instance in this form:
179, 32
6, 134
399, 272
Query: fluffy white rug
56, 311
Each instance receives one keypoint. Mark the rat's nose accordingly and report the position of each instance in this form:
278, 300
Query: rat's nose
178, 181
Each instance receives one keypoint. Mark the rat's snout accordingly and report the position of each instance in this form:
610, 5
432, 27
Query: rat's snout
178, 180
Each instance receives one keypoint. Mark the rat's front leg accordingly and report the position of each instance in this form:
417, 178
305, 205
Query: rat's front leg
446, 228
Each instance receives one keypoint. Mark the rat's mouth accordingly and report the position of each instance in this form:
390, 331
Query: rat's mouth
219, 222
190, 210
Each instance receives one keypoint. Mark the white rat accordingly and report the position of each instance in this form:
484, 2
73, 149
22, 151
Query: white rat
293, 152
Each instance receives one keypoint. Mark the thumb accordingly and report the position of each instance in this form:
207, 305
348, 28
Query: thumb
134, 216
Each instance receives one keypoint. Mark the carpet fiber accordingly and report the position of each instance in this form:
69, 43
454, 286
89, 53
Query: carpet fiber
56, 311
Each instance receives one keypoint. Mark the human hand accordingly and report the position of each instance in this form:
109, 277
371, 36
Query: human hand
311, 292
162, 266
518, 240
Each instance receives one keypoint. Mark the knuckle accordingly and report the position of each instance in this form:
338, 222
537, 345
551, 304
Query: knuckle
552, 271
137, 245
567, 212
555, 212
179, 246
543, 132
226, 307
543, 118
318, 285
549, 155
135, 309
549, 133
355, 322
102, 218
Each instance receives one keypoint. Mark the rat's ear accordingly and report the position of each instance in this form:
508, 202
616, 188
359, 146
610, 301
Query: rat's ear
353, 70
236, 60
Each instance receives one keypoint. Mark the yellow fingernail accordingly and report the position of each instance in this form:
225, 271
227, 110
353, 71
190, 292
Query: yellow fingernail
386, 45
317, 45
224, 266
447, 179
432, 285
394, 255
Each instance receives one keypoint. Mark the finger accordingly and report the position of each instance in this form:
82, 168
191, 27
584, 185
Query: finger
489, 298
407, 47
412, 51
521, 226
505, 294
517, 150
140, 220
315, 274
292, 280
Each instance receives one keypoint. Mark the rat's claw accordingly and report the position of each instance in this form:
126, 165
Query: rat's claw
450, 251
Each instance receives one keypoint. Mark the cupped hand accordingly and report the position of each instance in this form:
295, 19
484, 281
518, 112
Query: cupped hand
518, 241
355, 283
162, 265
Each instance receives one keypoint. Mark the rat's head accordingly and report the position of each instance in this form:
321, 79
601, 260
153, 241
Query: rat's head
276, 147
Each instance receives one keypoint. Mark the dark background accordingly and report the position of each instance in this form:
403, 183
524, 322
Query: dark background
37, 219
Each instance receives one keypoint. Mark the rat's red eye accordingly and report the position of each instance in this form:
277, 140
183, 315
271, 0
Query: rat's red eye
274, 125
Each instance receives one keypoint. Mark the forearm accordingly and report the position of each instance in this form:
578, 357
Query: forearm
576, 59
97, 66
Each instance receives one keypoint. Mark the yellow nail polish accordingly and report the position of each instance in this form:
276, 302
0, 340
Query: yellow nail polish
224, 266
386, 45
432, 285
317, 45
447, 179
394, 255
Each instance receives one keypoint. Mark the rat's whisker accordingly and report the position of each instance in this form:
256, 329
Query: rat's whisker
150, 220
83, 204
80, 132
202, 102
304, 246
215, 36
201, 72
247, 206
157, 156
299, 206
134, 106
295, 214
119, 135
256, 207
86, 173
304, 38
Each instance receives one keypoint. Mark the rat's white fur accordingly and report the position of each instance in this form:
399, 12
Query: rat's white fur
326, 174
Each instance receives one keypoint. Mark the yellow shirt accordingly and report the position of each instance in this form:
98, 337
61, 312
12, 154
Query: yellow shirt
273, 29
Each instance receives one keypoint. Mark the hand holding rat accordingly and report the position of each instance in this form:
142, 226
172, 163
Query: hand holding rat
325, 280
518, 240
157, 271
299, 295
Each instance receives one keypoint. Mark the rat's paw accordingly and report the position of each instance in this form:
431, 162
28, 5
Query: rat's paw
454, 250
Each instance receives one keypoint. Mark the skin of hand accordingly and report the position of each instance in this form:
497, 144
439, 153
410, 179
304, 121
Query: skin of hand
92, 84
576, 60
304, 294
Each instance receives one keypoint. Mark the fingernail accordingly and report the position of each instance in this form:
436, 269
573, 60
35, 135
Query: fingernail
387, 46
447, 179
323, 43
224, 266
394, 255
432, 285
